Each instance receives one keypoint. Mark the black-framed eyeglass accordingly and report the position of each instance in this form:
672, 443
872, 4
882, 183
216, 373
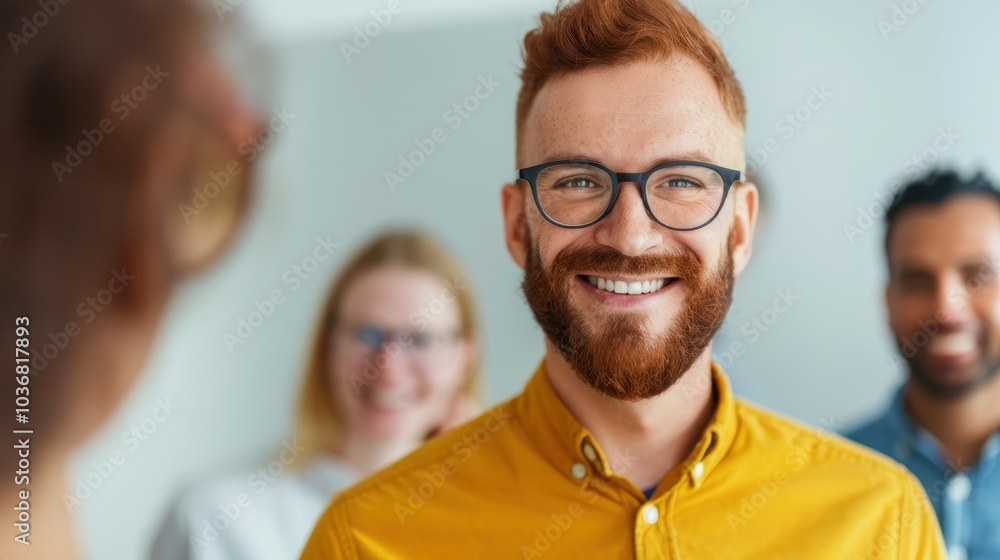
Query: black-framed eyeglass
679, 195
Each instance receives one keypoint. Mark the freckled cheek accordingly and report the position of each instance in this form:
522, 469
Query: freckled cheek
553, 240
708, 244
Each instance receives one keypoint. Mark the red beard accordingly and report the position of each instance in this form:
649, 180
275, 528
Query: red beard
623, 360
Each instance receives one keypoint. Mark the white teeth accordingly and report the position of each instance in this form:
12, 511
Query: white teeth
622, 287
952, 344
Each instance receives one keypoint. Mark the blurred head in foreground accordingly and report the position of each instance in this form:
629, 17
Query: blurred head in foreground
112, 115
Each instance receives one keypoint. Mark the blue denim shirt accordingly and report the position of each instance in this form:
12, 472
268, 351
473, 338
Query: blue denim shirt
967, 502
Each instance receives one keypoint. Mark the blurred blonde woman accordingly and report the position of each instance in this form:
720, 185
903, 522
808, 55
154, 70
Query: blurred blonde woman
394, 362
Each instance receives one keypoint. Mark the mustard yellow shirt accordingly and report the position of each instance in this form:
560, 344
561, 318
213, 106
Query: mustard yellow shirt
525, 480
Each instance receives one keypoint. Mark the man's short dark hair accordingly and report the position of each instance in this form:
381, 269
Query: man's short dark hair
935, 188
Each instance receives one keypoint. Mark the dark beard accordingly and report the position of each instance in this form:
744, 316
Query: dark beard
623, 361
989, 366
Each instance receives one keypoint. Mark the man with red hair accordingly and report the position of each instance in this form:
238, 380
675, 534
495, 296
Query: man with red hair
631, 217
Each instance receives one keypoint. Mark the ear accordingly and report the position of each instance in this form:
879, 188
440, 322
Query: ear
512, 200
745, 197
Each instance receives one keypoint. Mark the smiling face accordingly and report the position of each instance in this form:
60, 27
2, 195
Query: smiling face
669, 289
943, 296
395, 377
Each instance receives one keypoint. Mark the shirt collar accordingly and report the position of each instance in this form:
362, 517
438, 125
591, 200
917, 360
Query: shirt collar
897, 416
911, 435
561, 439
990, 456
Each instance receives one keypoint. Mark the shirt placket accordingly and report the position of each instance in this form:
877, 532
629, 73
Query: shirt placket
957, 513
654, 535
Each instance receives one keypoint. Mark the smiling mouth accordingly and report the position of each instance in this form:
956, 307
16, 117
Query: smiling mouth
386, 400
952, 344
628, 286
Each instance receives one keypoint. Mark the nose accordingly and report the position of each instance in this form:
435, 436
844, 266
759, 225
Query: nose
629, 228
394, 364
951, 302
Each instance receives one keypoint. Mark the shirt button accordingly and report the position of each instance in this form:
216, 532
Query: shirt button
959, 487
588, 450
698, 470
957, 552
650, 514
579, 471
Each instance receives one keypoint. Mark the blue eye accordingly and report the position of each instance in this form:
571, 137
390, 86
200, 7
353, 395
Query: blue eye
682, 183
371, 335
580, 183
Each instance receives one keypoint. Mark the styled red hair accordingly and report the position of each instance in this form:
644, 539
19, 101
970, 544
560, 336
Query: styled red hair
584, 33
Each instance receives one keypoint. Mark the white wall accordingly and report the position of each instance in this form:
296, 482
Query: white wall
824, 360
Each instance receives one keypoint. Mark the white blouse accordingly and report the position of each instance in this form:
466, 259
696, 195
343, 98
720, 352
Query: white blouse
251, 516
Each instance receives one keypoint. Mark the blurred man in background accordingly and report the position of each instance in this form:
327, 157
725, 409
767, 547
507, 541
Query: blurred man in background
111, 114
631, 218
942, 246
